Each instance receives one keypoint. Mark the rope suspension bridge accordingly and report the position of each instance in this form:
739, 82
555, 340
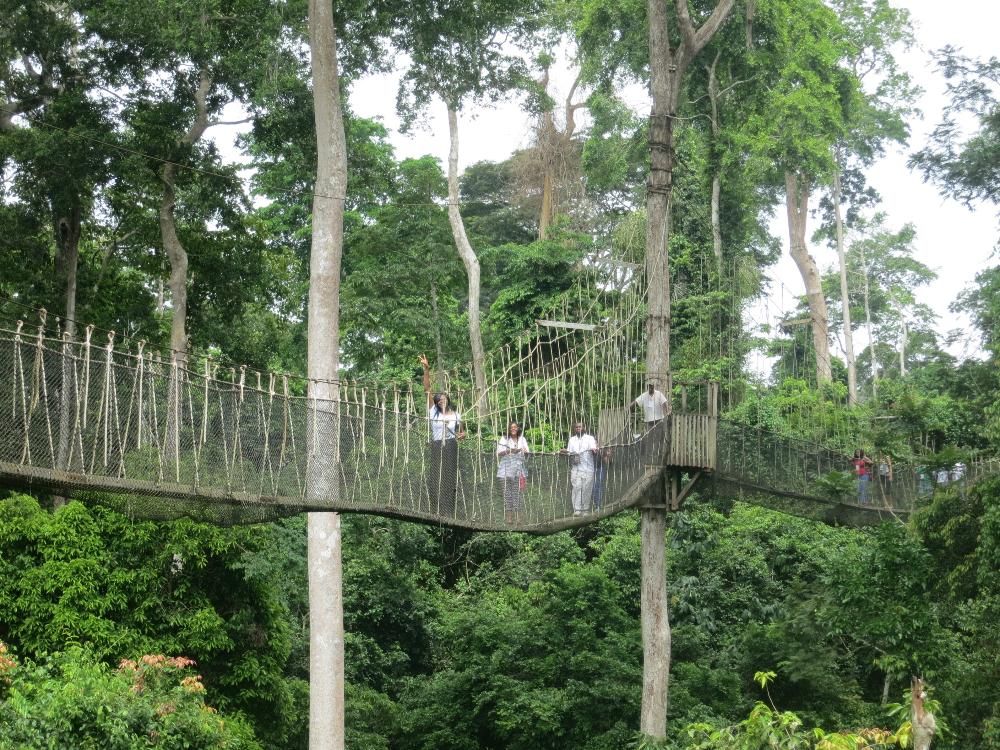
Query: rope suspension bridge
169, 437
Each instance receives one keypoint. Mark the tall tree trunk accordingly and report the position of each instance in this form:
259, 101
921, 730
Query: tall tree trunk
438, 348
547, 150
922, 721
654, 602
903, 334
656, 634
548, 187
713, 97
177, 255
666, 75
868, 326
172, 245
468, 256
852, 367
326, 609
797, 205
68, 230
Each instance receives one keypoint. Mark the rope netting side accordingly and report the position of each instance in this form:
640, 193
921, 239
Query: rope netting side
169, 441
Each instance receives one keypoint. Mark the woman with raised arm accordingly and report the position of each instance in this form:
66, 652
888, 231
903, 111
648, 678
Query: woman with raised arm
445, 432
512, 470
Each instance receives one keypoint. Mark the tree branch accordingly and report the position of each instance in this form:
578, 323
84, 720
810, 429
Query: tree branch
245, 120
708, 29
688, 35
571, 108
201, 123
30, 69
119, 97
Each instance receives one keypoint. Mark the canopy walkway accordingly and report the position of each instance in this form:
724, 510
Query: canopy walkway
159, 440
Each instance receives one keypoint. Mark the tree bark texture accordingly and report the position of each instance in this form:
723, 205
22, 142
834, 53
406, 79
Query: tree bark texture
172, 245
713, 97
68, 229
667, 70
797, 205
177, 255
546, 142
546, 211
868, 327
903, 335
852, 366
468, 256
923, 721
655, 624
438, 346
654, 604
326, 610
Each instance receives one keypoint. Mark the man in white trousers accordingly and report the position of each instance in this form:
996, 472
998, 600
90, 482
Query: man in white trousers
581, 450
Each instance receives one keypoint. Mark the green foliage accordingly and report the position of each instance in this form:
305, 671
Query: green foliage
549, 663
965, 164
71, 699
837, 485
93, 577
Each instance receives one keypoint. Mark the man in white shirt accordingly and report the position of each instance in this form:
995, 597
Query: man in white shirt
581, 449
652, 403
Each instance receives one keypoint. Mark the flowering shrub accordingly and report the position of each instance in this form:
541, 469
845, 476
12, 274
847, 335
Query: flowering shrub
71, 699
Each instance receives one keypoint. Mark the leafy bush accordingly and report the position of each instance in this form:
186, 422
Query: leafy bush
71, 699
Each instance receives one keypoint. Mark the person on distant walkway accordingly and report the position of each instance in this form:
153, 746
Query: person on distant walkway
957, 474
581, 450
885, 478
862, 469
512, 450
652, 403
445, 432
925, 486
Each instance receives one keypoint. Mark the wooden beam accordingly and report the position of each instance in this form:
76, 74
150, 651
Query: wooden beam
566, 324
675, 502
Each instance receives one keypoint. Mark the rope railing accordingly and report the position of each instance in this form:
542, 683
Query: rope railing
164, 438
170, 441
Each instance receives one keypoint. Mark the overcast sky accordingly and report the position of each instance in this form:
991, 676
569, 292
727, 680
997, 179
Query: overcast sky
952, 240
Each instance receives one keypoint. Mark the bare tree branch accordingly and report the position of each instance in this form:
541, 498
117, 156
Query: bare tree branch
245, 120
688, 35
572, 107
708, 29
201, 123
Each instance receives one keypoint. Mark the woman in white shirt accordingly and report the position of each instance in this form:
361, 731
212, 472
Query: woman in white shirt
445, 432
512, 450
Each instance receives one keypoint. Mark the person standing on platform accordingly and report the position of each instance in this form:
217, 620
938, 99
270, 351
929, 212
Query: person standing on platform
446, 430
581, 450
512, 451
653, 403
